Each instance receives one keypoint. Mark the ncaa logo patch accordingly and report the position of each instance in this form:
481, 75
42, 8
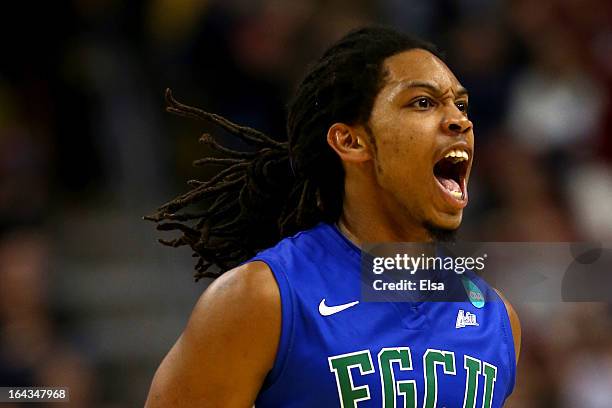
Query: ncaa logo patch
474, 294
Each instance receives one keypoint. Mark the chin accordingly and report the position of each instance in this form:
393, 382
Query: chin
442, 234
446, 220
445, 228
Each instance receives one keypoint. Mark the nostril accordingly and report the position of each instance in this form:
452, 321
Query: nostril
454, 127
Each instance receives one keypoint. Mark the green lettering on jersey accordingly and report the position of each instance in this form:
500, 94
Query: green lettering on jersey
407, 388
490, 374
386, 357
473, 367
430, 360
341, 366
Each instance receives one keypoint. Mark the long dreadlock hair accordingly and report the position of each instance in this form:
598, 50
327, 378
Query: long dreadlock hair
280, 187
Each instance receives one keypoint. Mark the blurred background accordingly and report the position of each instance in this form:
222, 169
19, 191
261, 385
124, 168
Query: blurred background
90, 300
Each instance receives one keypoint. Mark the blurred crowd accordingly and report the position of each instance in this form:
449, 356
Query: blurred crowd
86, 149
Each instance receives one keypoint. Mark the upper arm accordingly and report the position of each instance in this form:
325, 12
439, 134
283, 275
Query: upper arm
515, 324
228, 346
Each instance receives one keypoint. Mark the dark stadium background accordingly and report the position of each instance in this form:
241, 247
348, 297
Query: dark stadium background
89, 300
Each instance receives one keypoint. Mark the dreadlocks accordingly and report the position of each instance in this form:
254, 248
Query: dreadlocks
279, 188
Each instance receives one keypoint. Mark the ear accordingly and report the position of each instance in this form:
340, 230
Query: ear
349, 142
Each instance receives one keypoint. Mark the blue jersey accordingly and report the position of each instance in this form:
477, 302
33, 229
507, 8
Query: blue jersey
337, 352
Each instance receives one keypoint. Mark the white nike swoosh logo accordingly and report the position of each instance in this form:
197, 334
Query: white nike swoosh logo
330, 310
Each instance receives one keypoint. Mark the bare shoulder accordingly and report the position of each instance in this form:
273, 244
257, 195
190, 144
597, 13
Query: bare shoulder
231, 338
237, 295
515, 323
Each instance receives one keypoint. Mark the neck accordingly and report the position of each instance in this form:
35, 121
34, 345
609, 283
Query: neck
368, 217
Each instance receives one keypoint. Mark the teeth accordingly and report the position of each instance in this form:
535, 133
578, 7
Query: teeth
457, 194
457, 155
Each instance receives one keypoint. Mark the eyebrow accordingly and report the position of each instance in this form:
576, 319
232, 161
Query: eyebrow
431, 86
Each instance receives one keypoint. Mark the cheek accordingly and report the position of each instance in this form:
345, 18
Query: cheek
406, 149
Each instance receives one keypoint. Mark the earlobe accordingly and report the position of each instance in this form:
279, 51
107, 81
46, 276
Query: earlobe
347, 143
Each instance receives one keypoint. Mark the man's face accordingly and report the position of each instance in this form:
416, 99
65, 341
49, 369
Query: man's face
424, 140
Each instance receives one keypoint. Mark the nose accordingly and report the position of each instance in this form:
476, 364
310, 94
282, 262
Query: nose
456, 123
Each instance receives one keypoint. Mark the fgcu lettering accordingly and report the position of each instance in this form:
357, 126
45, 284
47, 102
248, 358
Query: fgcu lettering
390, 355
349, 394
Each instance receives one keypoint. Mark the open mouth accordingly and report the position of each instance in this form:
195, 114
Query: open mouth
450, 172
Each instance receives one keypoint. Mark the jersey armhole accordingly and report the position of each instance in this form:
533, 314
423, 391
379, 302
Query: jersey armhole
509, 339
506, 328
287, 320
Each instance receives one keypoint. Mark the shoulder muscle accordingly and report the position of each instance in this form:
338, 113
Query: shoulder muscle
231, 338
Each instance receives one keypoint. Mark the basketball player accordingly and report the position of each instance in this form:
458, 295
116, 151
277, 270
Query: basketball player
379, 149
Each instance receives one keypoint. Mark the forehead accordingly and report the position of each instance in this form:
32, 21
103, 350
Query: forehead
418, 65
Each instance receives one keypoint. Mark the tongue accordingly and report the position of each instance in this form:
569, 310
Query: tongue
450, 184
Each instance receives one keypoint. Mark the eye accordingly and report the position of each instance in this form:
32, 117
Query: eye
462, 106
422, 103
